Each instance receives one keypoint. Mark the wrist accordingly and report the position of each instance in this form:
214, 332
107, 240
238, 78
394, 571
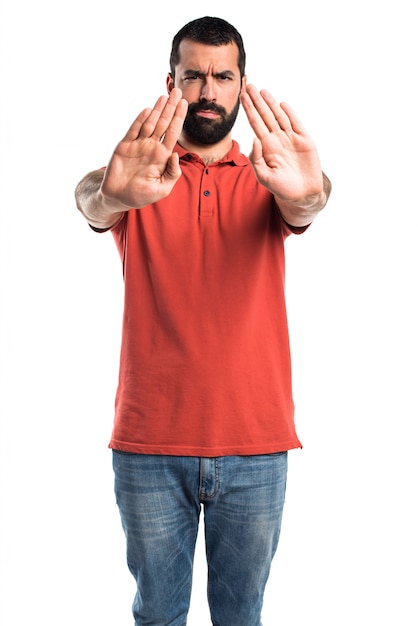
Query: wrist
302, 211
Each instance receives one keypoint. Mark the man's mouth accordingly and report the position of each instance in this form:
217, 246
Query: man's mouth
207, 111
210, 115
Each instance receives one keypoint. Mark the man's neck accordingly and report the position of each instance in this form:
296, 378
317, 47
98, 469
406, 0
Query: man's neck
211, 153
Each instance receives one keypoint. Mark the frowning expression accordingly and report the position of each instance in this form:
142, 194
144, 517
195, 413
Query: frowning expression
210, 81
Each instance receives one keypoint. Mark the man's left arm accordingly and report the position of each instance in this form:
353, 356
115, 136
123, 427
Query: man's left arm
303, 212
284, 158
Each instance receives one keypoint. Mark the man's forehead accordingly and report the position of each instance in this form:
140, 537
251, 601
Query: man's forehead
196, 55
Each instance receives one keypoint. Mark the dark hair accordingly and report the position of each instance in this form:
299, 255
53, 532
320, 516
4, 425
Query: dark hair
212, 31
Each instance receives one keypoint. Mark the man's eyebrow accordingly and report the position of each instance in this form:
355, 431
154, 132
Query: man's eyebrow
200, 73
225, 73
191, 72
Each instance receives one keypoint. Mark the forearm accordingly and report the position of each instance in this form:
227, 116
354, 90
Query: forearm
303, 212
99, 211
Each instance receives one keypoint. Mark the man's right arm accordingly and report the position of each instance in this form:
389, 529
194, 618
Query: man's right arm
143, 168
91, 202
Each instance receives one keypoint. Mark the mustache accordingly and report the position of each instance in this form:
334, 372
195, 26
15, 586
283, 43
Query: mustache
206, 106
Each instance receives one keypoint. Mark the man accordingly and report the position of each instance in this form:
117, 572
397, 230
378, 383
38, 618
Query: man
204, 409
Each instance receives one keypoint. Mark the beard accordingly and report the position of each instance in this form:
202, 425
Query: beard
204, 131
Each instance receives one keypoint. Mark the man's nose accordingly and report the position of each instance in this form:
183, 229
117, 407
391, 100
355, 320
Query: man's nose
208, 91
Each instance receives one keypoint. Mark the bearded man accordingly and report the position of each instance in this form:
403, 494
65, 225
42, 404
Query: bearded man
204, 410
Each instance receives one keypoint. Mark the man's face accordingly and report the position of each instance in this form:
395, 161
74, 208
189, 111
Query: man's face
210, 80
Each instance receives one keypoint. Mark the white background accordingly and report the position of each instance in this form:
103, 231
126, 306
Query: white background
73, 77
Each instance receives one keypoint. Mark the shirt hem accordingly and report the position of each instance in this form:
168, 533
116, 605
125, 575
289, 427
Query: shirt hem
201, 451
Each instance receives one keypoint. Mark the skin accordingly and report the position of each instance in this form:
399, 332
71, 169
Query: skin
144, 169
208, 73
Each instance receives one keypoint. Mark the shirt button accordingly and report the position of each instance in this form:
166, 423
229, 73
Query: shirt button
206, 193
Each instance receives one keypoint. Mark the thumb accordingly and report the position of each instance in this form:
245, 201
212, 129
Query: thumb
257, 152
173, 170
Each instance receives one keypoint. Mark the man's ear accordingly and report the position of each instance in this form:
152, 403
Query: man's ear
244, 83
169, 83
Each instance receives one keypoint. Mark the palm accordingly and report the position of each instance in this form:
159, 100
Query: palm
143, 168
284, 156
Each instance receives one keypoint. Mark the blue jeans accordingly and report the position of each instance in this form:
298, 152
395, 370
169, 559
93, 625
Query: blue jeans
159, 499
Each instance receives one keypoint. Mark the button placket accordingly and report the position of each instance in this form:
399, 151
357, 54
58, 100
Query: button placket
206, 201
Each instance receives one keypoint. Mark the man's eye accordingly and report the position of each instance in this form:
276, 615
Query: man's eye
191, 78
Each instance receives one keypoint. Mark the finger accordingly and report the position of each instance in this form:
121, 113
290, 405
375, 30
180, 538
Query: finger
256, 153
172, 116
273, 114
260, 118
297, 125
267, 108
280, 116
174, 128
173, 170
144, 124
161, 116
284, 114
136, 126
149, 124
257, 160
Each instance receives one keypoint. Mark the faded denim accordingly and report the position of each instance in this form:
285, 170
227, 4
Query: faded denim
160, 499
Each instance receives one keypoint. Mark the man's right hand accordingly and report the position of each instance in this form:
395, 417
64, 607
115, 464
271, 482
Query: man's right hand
143, 168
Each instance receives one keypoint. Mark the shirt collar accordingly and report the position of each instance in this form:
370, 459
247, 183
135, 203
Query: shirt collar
234, 156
